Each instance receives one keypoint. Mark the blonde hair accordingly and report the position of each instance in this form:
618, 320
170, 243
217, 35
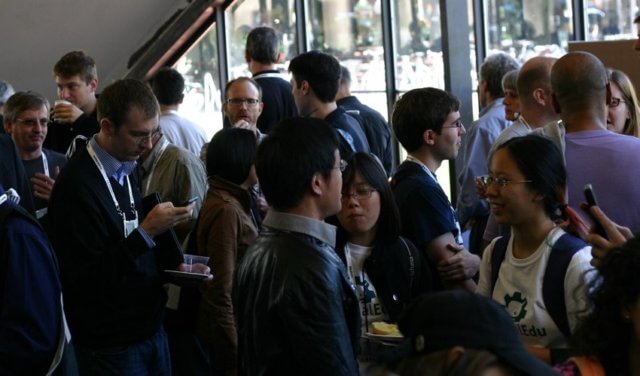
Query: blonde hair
632, 126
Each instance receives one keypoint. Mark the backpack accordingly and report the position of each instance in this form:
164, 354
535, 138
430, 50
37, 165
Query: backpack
553, 281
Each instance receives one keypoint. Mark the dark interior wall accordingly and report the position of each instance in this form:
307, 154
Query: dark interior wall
36, 33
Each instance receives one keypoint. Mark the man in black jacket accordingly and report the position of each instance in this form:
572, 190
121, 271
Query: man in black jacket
297, 313
110, 266
315, 80
375, 126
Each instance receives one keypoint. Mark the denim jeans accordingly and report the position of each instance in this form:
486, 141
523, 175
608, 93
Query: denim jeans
149, 357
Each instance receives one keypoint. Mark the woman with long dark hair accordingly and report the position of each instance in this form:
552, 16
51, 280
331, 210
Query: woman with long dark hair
386, 269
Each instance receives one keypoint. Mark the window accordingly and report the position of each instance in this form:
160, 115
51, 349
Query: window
199, 67
243, 16
611, 19
527, 28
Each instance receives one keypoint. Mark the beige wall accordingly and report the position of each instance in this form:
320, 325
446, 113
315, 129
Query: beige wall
36, 33
618, 54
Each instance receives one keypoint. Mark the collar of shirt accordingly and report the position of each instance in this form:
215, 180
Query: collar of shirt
295, 223
147, 164
112, 167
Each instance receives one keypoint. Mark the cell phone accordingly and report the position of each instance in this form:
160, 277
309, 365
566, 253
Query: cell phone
590, 196
189, 201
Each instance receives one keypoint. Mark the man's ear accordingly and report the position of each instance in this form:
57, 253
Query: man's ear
93, 85
107, 126
181, 99
317, 183
428, 137
304, 87
453, 354
540, 96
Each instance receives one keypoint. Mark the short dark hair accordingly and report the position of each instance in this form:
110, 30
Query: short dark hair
540, 161
117, 100
637, 19
231, 153
76, 62
493, 69
168, 86
23, 101
371, 170
320, 70
418, 110
345, 76
295, 150
263, 45
242, 79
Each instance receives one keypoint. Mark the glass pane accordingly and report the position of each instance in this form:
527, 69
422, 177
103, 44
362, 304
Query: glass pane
611, 19
418, 44
351, 30
199, 67
242, 16
377, 101
527, 28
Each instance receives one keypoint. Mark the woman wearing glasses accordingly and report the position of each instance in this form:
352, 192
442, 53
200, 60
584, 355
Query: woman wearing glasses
386, 269
536, 273
624, 113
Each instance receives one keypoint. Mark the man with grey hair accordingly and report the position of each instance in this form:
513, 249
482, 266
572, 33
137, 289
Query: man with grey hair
6, 90
27, 121
262, 53
472, 160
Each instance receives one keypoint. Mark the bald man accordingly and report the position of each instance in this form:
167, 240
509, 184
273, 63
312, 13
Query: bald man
594, 155
536, 111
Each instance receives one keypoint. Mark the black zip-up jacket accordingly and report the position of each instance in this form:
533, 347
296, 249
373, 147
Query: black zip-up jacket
296, 310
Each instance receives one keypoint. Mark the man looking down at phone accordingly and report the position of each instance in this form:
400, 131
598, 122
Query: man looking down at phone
109, 264
75, 113
606, 160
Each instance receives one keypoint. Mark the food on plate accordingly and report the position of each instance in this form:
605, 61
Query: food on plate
385, 329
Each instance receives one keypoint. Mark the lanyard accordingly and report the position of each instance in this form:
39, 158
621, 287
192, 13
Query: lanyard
163, 146
425, 168
113, 195
45, 164
433, 176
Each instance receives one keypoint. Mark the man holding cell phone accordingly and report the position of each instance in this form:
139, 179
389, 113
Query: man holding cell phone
110, 265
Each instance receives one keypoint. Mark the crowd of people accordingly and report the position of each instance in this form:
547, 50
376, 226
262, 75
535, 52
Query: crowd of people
312, 233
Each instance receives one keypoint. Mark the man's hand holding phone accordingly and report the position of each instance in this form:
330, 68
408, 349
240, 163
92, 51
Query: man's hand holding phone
605, 234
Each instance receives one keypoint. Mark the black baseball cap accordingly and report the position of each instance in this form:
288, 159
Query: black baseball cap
442, 320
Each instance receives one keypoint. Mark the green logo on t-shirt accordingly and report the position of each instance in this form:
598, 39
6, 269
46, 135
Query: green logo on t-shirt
516, 305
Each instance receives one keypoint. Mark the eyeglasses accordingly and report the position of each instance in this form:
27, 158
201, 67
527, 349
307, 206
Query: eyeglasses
342, 166
33, 122
150, 136
615, 102
359, 194
458, 124
251, 102
500, 182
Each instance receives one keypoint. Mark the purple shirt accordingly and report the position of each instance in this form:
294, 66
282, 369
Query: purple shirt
610, 162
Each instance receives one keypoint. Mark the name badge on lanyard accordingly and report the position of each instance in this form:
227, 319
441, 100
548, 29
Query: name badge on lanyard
128, 225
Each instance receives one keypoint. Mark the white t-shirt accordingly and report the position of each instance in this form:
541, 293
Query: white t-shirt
519, 290
370, 305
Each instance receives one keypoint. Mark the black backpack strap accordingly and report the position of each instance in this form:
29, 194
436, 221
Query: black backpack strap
553, 282
497, 256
